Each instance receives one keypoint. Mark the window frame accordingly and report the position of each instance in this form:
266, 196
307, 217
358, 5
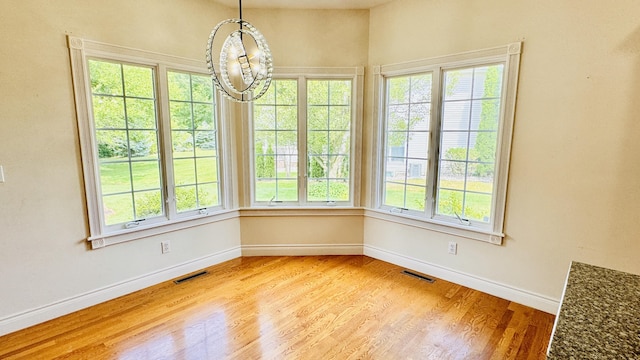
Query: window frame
509, 55
302, 75
81, 51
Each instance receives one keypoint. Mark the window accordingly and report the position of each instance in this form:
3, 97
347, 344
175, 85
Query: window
446, 129
303, 140
149, 138
193, 138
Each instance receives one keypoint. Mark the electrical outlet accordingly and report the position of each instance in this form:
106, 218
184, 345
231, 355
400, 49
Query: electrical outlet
166, 246
453, 247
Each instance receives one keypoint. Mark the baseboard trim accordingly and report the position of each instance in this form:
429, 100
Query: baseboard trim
302, 249
66, 306
503, 291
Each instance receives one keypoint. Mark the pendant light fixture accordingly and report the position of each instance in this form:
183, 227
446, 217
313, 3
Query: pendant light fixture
244, 66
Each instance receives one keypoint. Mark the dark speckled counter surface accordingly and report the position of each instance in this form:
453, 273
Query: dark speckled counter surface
599, 317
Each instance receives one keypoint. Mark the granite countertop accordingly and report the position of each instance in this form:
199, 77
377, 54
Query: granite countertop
599, 317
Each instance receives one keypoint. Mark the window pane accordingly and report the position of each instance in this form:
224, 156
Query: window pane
138, 81
186, 198
205, 143
275, 135
317, 92
287, 190
194, 141
202, 89
146, 175
108, 112
339, 118
181, 117
124, 110
478, 207
415, 197
318, 142
148, 204
203, 117
206, 170
286, 92
287, 118
339, 142
112, 144
264, 117
143, 143
417, 172
421, 89
141, 113
458, 84
318, 190
339, 167
470, 119
118, 208
184, 171
452, 175
455, 115
183, 144
394, 194
265, 166
398, 90
106, 77
265, 190
338, 190
318, 166
418, 145
329, 140
114, 178
208, 195
269, 97
179, 86
450, 202
398, 118
317, 117
420, 116
407, 141
340, 92
487, 82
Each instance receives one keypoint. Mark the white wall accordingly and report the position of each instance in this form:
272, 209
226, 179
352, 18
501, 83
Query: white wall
573, 191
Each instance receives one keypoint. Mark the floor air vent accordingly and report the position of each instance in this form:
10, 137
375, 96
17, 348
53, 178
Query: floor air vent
190, 277
418, 276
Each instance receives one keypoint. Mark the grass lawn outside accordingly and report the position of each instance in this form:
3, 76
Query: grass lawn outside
121, 185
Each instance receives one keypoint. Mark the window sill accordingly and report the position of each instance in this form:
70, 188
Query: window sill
101, 241
256, 211
439, 226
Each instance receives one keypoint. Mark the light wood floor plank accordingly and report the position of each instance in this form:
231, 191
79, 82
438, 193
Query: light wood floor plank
316, 307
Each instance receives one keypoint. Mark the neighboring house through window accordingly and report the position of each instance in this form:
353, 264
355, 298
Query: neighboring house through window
446, 128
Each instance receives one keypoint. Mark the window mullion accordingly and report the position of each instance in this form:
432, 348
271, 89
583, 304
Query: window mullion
434, 142
164, 126
303, 175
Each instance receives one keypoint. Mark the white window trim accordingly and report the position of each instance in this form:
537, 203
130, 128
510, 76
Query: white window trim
82, 49
510, 55
357, 76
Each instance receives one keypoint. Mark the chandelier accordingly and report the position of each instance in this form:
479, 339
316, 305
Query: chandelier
244, 66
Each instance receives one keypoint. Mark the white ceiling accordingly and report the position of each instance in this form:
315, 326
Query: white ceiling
304, 4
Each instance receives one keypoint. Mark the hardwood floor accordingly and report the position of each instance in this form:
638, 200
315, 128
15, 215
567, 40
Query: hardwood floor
317, 307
